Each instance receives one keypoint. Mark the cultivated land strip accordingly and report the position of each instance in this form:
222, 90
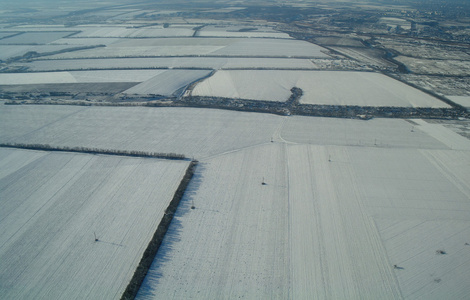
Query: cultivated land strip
53, 203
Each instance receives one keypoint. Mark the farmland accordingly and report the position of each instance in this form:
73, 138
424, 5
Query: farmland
31, 38
355, 194
362, 89
49, 228
174, 46
192, 132
170, 62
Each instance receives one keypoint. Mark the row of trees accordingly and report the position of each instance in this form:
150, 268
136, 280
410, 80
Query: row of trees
89, 150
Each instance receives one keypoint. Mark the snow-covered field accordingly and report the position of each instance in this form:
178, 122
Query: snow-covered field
78, 76
240, 31
330, 223
171, 62
380, 132
160, 82
234, 244
32, 38
344, 200
249, 47
115, 75
10, 51
319, 87
86, 41
462, 100
242, 84
189, 131
168, 83
36, 78
53, 204
436, 67
115, 31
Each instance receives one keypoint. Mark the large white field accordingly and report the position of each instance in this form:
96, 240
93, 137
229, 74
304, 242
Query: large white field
319, 87
240, 31
245, 47
344, 200
235, 243
10, 51
127, 32
169, 82
461, 100
159, 82
36, 78
78, 77
171, 62
53, 204
31, 38
330, 223
189, 131
201, 132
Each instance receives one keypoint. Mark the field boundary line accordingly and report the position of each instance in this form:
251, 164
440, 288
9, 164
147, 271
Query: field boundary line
86, 150
151, 251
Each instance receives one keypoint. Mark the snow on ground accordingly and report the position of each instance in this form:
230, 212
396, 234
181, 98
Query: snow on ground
461, 100
273, 47
53, 203
249, 47
16, 121
419, 200
234, 244
116, 31
4, 34
336, 250
169, 82
10, 51
115, 75
240, 31
86, 41
344, 200
380, 132
78, 77
363, 89
450, 138
242, 84
189, 131
334, 219
36, 78
319, 87
170, 62
435, 66
31, 38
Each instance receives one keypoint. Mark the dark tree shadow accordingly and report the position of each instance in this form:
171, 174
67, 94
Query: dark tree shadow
172, 239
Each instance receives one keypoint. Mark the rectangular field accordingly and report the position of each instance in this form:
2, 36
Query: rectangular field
127, 32
168, 82
436, 67
170, 62
52, 206
11, 51
319, 87
240, 31
329, 222
78, 77
202, 46
234, 244
35, 38
189, 131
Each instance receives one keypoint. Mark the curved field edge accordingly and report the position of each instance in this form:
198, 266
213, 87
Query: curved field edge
153, 246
